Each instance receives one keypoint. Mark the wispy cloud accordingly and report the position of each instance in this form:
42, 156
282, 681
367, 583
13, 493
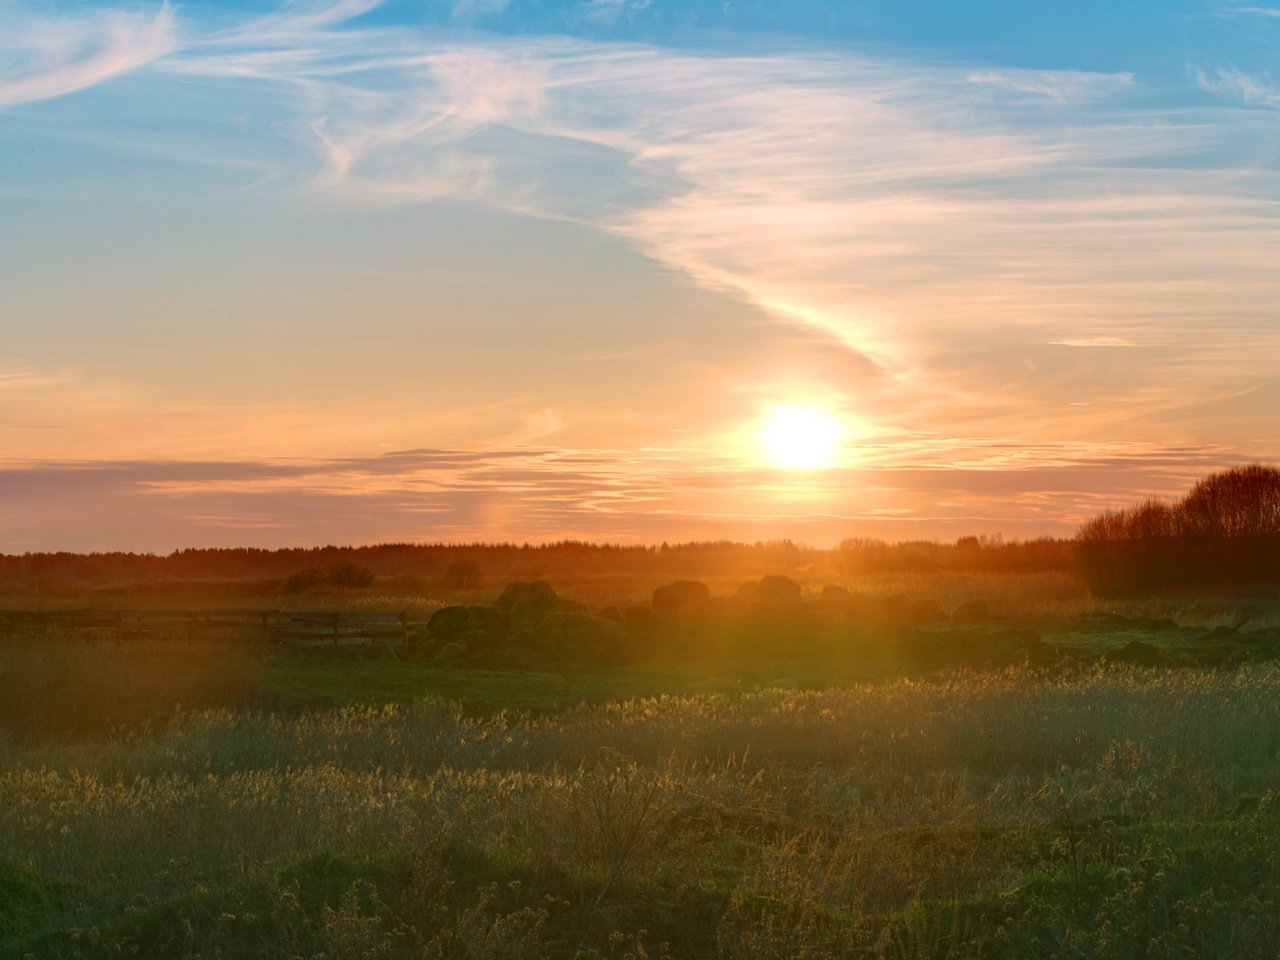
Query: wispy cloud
299, 16
1248, 87
1273, 12
941, 230
1094, 342
927, 217
42, 57
550, 495
932, 219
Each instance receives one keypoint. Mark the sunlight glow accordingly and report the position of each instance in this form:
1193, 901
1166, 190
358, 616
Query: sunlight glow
800, 437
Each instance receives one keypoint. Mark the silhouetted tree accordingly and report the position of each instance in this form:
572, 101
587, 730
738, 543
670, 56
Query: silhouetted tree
1226, 530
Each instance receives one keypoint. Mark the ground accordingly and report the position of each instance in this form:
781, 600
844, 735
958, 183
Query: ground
1062, 783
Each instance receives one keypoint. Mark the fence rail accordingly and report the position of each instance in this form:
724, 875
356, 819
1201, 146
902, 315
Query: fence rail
290, 627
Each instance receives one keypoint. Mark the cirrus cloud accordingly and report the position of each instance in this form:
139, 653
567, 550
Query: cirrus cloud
42, 57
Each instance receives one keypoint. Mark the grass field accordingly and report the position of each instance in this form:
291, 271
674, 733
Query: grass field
1118, 812
731, 788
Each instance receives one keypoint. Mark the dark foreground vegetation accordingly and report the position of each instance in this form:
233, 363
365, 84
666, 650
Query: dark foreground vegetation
762, 772
1100, 813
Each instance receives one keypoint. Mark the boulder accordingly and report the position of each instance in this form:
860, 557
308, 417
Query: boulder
611, 613
527, 592
528, 602
680, 595
449, 621
835, 594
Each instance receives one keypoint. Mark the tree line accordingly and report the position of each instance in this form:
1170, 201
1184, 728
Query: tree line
1224, 532
469, 564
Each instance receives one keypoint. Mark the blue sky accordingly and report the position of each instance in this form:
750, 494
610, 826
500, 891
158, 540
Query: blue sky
340, 270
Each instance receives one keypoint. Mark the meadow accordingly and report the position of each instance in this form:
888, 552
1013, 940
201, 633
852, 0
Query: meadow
747, 783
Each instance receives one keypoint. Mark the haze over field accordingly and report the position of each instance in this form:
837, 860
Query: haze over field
347, 270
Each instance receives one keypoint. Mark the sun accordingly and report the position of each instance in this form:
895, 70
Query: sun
800, 437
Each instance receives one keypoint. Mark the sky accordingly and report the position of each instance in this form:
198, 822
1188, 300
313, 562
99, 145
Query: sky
294, 272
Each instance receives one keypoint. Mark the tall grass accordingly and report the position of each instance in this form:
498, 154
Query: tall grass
1108, 813
66, 690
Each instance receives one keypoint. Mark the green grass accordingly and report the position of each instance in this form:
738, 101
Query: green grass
737, 789
734, 657
320, 681
1111, 813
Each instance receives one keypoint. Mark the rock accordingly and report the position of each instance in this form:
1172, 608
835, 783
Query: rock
481, 618
449, 621
611, 613
777, 589
527, 592
835, 594
972, 611
681, 594
528, 602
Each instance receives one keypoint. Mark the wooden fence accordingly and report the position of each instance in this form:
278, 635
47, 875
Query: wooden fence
326, 628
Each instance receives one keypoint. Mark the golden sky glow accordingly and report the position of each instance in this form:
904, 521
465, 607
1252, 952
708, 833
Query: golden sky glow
359, 269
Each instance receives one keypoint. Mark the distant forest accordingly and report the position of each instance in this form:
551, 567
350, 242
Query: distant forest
1224, 532
463, 564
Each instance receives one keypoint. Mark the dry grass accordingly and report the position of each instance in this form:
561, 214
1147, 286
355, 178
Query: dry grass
997, 815
66, 690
